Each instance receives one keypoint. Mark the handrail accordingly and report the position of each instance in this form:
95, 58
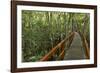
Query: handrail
87, 50
85, 45
59, 46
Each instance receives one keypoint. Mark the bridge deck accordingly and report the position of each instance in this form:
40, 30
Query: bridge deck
76, 51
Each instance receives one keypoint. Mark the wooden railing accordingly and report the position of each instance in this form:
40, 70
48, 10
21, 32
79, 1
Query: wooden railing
60, 47
85, 45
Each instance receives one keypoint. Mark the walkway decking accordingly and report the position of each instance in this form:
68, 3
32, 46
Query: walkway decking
75, 52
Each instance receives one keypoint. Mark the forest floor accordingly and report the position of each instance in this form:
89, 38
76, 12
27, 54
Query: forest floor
75, 51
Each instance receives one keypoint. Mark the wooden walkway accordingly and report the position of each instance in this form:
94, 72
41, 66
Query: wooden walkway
73, 47
75, 51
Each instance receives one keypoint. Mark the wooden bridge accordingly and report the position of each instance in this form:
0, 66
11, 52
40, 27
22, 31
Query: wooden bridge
73, 47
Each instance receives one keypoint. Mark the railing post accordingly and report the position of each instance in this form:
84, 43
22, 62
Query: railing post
62, 51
